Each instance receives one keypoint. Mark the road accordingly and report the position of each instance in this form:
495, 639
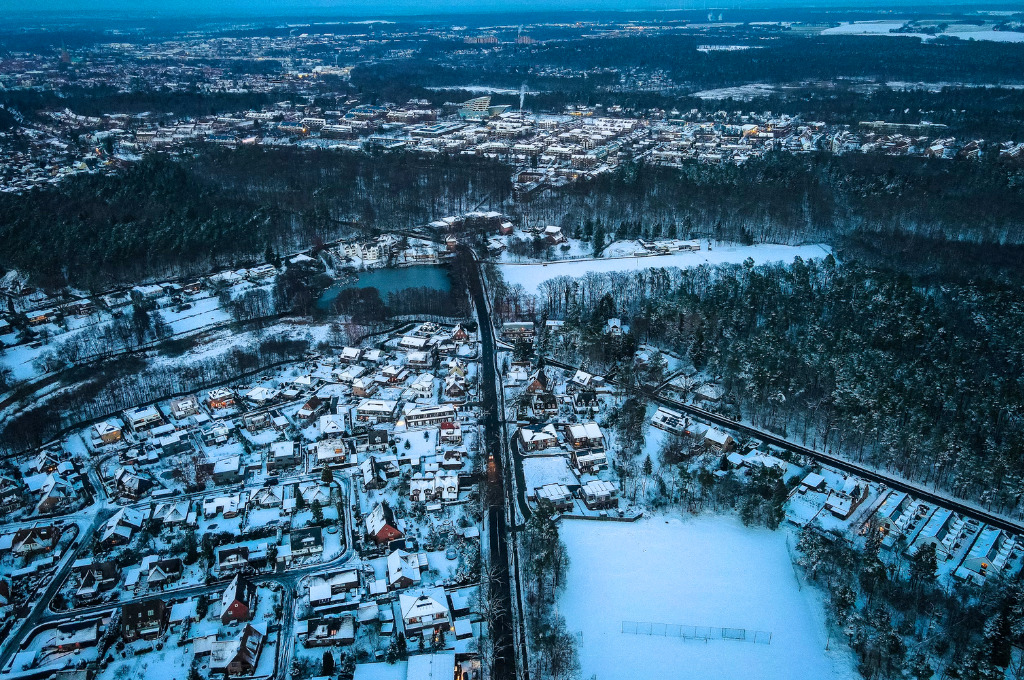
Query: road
501, 498
916, 490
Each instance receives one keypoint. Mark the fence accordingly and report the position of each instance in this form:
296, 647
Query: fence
705, 633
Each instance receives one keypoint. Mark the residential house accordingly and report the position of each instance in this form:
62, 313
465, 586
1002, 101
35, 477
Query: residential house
330, 630
404, 569
236, 656
220, 398
537, 440
424, 610
143, 619
376, 410
427, 416
106, 433
517, 331
119, 529
381, 526
237, 601
555, 495
183, 407
96, 578
305, 542
143, 418
450, 433
598, 494
33, 540
130, 485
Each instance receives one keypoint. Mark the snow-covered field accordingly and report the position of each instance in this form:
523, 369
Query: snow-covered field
532, 275
706, 571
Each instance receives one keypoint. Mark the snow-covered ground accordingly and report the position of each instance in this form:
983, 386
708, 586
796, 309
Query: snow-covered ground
962, 31
705, 571
530, 276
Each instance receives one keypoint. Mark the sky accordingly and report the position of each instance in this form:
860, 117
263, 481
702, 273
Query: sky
411, 7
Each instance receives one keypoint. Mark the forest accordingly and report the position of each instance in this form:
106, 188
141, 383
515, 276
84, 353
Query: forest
164, 217
923, 381
230, 206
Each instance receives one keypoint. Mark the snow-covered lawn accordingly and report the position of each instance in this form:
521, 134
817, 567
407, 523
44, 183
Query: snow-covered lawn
705, 571
532, 275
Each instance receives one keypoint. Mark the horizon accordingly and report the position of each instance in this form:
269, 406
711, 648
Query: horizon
363, 9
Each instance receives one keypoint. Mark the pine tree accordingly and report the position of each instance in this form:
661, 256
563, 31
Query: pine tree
327, 477
327, 666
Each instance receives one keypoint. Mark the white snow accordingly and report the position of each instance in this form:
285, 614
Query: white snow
705, 571
530, 276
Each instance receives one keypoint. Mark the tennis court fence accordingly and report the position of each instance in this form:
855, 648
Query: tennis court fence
761, 637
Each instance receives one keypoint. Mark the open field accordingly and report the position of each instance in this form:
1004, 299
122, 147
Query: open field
709, 571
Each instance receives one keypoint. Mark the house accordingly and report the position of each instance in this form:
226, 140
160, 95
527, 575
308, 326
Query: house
143, 418
10, 494
183, 407
308, 541
363, 387
460, 334
423, 386
537, 440
261, 396
376, 410
228, 505
228, 470
426, 416
455, 387
589, 460
538, 382
131, 485
52, 492
434, 486
419, 359
333, 588
413, 342
119, 529
556, 495
393, 375
613, 327
330, 630
373, 474
994, 552
585, 402
404, 569
237, 601
237, 656
890, 510
175, 443
219, 398
334, 453
332, 425
424, 610
233, 558
450, 433
283, 456
543, 405
843, 501
581, 380
670, 421
32, 540
96, 578
106, 433
584, 435
598, 494
517, 331
143, 619
170, 514
162, 572
351, 355
380, 525
313, 406
73, 635
553, 235
718, 440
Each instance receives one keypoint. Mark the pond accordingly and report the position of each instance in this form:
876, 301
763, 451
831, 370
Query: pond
391, 280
